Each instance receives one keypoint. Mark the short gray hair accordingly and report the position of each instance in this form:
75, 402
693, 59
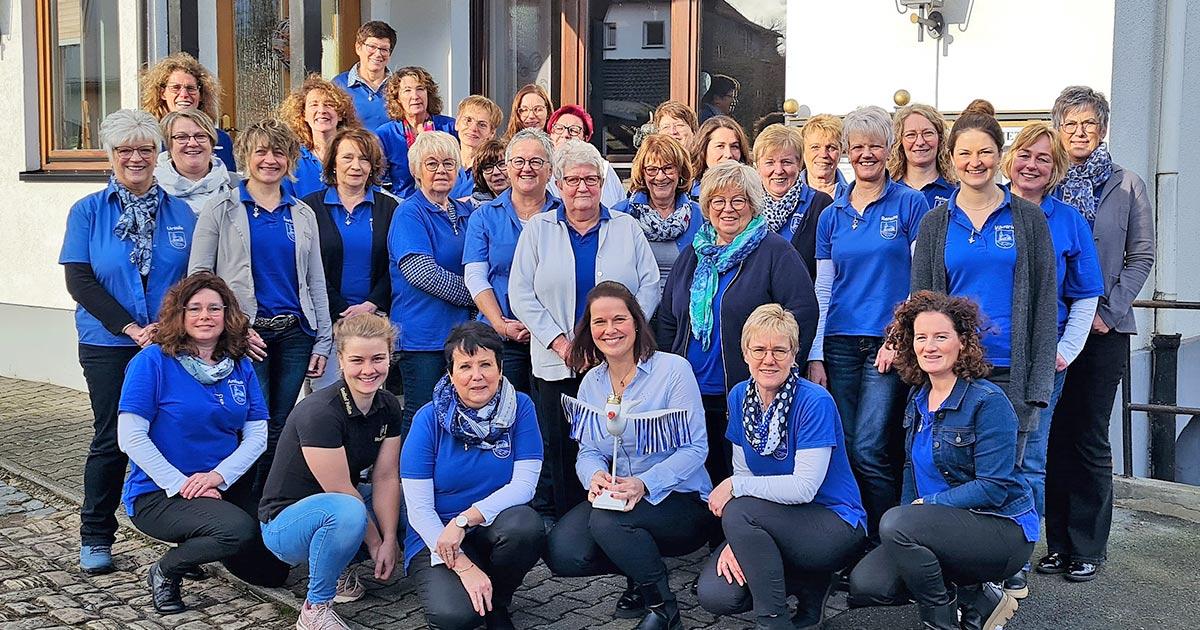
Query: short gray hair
872, 121
531, 134
732, 174
431, 144
574, 153
129, 125
1075, 97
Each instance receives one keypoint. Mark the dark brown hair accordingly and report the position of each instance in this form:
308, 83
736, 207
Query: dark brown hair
962, 312
488, 154
171, 334
367, 142
378, 30
584, 353
699, 148
978, 116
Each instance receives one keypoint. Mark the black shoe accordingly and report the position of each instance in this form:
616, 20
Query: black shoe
772, 622
662, 613
985, 606
944, 617
1082, 571
1017, 586
1052, 564
498, 619
810, 606
165, 592
630, 605
195, 574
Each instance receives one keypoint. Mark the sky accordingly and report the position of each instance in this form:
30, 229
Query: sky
765, 12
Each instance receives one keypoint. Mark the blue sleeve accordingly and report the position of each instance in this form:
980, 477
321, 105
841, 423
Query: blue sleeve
918, 207
1083, 278
409, 235
419, 453
825, 235
527, 437
140, 391
475, 242
77, 239
815, 426
733, 430
258, 405
395, 149
226, 150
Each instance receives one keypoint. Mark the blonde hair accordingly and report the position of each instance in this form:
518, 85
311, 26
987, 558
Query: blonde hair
494, 113
200, 118
732, 175
666, 150
897, 163
676, 109
827, 124
154, 80
771, 318
776, 137
431, 143
364, 326
291, 110
273, 134
1028, 135
391, 93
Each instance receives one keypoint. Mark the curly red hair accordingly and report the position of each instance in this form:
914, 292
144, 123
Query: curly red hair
962, 312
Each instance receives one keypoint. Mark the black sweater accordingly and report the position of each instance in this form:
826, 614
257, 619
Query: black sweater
332, 254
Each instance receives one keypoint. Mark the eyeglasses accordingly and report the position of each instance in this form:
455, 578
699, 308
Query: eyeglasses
572, 181
928, 136
371, 48
675, 128
478, 123
652, 171
1071, 126
573, 131
737, 203
176, 88
758, 353
534, 164
182, 138
195, 310
145, 152
537, 110
432, 166
493, 168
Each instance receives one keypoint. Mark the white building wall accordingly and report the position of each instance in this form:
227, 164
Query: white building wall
629, 18
433, 35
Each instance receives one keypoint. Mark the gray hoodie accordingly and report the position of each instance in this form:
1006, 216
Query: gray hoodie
218, 181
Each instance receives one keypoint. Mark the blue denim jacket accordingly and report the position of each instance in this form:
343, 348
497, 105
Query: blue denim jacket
975, 449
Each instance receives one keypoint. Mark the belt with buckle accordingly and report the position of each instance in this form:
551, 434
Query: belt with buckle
279, 322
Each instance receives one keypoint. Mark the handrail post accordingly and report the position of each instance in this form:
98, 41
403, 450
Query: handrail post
1127, 418
1164, 363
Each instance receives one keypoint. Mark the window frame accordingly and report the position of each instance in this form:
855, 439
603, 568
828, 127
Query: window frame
610, 36
662, 35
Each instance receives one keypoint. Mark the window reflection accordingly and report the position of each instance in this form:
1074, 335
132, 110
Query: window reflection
633, 72
743, 41
85, 82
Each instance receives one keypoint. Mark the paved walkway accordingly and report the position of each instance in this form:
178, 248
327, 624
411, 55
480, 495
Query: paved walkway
44, 432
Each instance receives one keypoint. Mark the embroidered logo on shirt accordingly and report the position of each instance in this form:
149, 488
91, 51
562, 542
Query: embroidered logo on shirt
1005, 236
939, 200
382, 432
502, 449
797, 219
176, 236
889, 227
238, 389
291, 228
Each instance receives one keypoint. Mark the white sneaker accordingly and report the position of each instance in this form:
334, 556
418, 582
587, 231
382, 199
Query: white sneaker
319, 617
349, 588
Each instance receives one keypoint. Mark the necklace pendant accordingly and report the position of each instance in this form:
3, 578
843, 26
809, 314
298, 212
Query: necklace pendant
971, 239
256, 210
854, 225
347, 219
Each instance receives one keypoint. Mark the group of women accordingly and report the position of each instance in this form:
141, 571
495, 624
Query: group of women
748, 350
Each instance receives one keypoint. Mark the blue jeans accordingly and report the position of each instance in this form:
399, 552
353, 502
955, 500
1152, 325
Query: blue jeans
420, 372
518, 366
326, 529
280, 375
1033, 469
870, 405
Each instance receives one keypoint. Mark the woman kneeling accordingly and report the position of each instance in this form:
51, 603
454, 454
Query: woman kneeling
966, 517
792, 506
469, 469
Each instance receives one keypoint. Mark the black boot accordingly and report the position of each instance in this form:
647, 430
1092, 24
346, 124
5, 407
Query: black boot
165, 592
810, 605
985, 606
662, 612
630, 605
944, 617
498, 619
772, 622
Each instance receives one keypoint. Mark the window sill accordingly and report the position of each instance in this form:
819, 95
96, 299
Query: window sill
65, 176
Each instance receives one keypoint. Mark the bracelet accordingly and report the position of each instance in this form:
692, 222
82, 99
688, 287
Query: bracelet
464, 570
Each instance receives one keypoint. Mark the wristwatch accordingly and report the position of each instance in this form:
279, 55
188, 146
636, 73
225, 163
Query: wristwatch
461, 521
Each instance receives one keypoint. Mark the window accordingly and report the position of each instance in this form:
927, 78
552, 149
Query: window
78, 78
653, 35
610, 36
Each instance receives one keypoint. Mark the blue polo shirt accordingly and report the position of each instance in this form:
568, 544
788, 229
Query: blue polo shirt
420, 227
273, 258
395, 148
463, 475
709, 365
813, 422
492, 234
224, 150
194, 426
1079, 274
980, 265
357, 229
369, 103
584, 248
307, 173
937, 191
89, 239
872, 257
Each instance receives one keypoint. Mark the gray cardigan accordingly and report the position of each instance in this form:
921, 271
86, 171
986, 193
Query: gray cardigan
221, 244
1035, 294
1124, 235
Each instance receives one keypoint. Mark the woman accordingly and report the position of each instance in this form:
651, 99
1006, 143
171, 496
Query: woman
864, 245
477, 121
263, 242
178, 82
988, 246
733, 265
425, 253
530, 109
822, 135
315, 111
365, 80
490, 175
124, 247
312, 509
469, 468
571, 122
966, 518
353, 216
491, 243
660, 477
720, 138
192, 421
792, 207
792, 505
675, 119
1117, 208
559, 258
660, 202
188, 169
414, 104
920, 158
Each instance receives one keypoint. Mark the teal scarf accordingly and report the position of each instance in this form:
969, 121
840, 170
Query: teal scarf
711, 261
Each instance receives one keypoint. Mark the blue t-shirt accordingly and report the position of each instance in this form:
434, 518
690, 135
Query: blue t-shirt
584, 248
420, 227
463, 475
872, 257
1079, 274
710, 365
937, 191
395, 149
89, 239
273, 258
812, 423
224, 150
464, 184
980, 265
492, 234
356, 229
308, 175
368, 103
194, 426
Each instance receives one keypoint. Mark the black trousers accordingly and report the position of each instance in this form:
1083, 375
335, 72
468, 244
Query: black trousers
1079, 491
104, 468
782, 550
589, 541
720, 451
206, 530
558, 489
923, 548
506, 550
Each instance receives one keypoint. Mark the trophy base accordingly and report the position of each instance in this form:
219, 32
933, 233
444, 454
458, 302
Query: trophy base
606, 502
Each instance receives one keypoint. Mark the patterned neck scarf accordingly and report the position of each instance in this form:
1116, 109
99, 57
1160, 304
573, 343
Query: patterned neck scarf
658, 229
482, 427
711, 261
410, 133
766, 429
136, 223
204, 373
778, 212
1084, 181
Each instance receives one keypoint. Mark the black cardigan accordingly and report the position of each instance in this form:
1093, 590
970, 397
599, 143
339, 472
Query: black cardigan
331, 251
805, 237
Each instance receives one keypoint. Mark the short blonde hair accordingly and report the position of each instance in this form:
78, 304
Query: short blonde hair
154, 80
676, 109
732, 175
272, 133
200, 118
665, 150
291, 110
771, 318
493, 111
1028, 135
776, 137
364, 326
827, 124
438, 144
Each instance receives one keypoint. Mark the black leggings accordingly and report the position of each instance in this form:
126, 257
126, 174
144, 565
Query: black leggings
590, 541
558, 489
206, 530
781, 549
925, 547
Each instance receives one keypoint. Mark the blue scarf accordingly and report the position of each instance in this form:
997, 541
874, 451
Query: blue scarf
1084, 181
766, 429
483, 427
711, 261
136, 223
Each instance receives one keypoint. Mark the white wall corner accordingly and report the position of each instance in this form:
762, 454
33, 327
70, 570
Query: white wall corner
129, 27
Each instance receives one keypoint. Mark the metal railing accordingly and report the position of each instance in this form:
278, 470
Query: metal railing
1162, 410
